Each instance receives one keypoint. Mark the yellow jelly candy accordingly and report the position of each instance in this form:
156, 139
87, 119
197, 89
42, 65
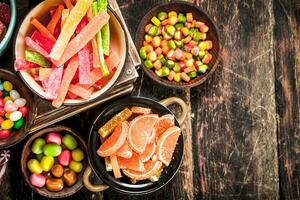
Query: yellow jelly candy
7, 115
7, 86
7, 124
7, 98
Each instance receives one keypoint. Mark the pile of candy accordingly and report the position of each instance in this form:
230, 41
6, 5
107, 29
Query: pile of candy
12, 109
55, 161
138, 143
70, 57
176, 46
4, 19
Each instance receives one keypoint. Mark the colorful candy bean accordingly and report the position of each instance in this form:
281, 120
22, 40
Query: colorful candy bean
70, 142
54, 138
37, 146
47, 163
76, 166
52, 150
37, 180
64, 158
70, 177
57, 170
77, 155
54, 184
34, 166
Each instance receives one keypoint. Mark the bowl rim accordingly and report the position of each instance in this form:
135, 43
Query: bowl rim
30, 123
42, 133
108, 90
11, 27
169, 83
100, 174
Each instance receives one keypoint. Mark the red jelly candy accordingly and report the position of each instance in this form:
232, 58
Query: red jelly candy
2, 111
2, 103
23, 110
4, 134
1, 93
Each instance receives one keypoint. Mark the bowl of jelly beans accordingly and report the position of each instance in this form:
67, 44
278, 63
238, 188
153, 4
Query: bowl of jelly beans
17, 109
53, 162
178, 44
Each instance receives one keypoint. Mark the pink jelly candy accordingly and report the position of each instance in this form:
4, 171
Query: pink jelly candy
37, 180
64, 158
2, 111
54, 138
10, 107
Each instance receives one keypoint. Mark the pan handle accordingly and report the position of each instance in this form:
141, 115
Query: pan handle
91, 187
175, 100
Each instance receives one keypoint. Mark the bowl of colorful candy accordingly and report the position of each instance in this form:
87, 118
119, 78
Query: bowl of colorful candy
179, 45
53, 161
70, 53
8, 18
17, 109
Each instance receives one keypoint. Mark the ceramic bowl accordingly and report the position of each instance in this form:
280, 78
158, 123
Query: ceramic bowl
118, 44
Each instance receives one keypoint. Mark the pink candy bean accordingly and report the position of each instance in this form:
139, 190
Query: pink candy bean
37, 180
54, 138
10, 107
64, 158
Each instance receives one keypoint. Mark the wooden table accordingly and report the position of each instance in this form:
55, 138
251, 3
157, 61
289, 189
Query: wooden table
242, 132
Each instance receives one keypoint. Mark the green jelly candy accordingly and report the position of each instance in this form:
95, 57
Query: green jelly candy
52, 150
5, 94
196, 36
176, 68
170, 64
37, 145
164, 71
76, 166
179, 43
171, 30
37, 58
177, 77
192, 31
163, 61
202, 69
34, 166
148, 64
77, 155
70, 142
179, 26
192, 74
181, 18
47, 163
153, 30
162, 16
143, 53
19, 123
171, 44
202, 54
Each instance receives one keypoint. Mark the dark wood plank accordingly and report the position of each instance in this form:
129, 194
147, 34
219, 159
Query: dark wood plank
287, 71
234, 126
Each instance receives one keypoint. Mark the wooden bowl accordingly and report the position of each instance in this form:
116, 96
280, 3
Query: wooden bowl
17, 136
118, 44
198, 14
26, 153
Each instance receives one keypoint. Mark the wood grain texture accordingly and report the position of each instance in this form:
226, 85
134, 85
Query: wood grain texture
235, 125
242, 132
287, 72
